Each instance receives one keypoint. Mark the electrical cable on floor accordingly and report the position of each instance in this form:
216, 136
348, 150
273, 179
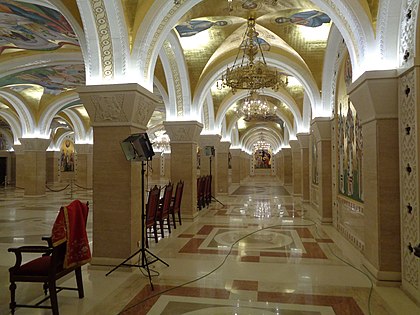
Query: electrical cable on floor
230, 251
354, 267
219, 266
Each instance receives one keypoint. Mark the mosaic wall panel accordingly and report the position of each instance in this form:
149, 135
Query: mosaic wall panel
408, 129
350, 151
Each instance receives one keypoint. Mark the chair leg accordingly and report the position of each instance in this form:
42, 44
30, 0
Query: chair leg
169, 224
173, 219
161, 228
79, 282
53, 297
179, 217
155, 233
12, 304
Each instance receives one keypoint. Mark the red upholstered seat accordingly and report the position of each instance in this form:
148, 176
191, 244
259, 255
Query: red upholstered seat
67, 250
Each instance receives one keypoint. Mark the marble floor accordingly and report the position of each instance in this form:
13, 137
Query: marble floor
254, 251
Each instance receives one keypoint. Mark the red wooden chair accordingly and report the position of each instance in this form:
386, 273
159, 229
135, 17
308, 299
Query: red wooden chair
207, 190
164, 207
176, 203
151, 213
66, 251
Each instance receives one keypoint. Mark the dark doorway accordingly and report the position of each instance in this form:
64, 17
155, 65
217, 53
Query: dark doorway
3, 169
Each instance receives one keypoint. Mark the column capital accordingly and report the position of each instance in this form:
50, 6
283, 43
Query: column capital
18, 148
118, 104
303, 139
294, 145
286, 151
321, 128
211, 140
375, 95
34, 144
83, 148
235, 152
224, 146
183, 131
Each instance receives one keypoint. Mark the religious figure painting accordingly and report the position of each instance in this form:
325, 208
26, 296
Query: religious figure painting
67, 156
350, 151
33, 27
54, 79
262, 158
193, 27
311, 18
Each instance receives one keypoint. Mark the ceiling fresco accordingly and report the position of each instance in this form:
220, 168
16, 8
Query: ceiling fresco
54, 79
33, 27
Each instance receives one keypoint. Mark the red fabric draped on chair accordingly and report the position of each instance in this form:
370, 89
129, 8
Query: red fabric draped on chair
67, 250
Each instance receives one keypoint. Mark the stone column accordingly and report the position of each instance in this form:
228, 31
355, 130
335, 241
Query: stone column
20, 166
207, 161
184, 137
84, 165
53, 166
35, 157
321, 128
296, 168
167, 165
303, 139
236, 165
156, 166
243, 165
287, 166
223, 168
280, 166
116, 112
375, 97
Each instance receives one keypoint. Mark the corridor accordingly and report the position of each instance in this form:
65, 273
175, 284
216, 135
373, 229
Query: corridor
254, 251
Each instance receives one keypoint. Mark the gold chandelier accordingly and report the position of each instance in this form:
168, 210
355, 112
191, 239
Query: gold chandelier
256, 107
250, 72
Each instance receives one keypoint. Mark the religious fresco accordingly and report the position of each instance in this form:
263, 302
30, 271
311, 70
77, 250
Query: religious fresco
33, 27
193, 27
67, 156
350, 146
262, 158
306, 18
54, 79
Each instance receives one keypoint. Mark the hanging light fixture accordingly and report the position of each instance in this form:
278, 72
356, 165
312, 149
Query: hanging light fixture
256, 107
251, 72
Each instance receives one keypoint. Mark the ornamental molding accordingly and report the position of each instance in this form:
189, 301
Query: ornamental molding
104, 36
408, 33
183, 132
176, 77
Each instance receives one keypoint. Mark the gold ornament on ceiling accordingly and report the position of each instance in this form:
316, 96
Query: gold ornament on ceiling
250, 71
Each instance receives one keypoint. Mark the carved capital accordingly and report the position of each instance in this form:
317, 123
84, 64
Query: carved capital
303, 139
84, 148
224, 147
34, 144
118, 104
235, 152
294, 144
183, 131
210, 140
321, 128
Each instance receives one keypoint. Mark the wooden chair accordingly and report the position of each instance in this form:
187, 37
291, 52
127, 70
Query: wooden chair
201, 202
176, 203
207, 190
151, 212
164, 207
66, 251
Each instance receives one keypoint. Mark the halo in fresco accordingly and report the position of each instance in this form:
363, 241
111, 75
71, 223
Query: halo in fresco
54, 79
33, 27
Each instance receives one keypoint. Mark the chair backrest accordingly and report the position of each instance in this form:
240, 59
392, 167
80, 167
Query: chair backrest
166, 203
152, 205
178, 196
70, 229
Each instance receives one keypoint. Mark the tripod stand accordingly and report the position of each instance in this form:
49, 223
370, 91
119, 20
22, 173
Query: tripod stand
212, 197
145, 262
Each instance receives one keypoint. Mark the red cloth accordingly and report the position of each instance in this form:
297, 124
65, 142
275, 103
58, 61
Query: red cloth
70, 227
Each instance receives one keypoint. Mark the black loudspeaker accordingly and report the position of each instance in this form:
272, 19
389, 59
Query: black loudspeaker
137, 147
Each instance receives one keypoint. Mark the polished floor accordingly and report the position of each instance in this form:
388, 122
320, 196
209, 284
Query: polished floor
255, 251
